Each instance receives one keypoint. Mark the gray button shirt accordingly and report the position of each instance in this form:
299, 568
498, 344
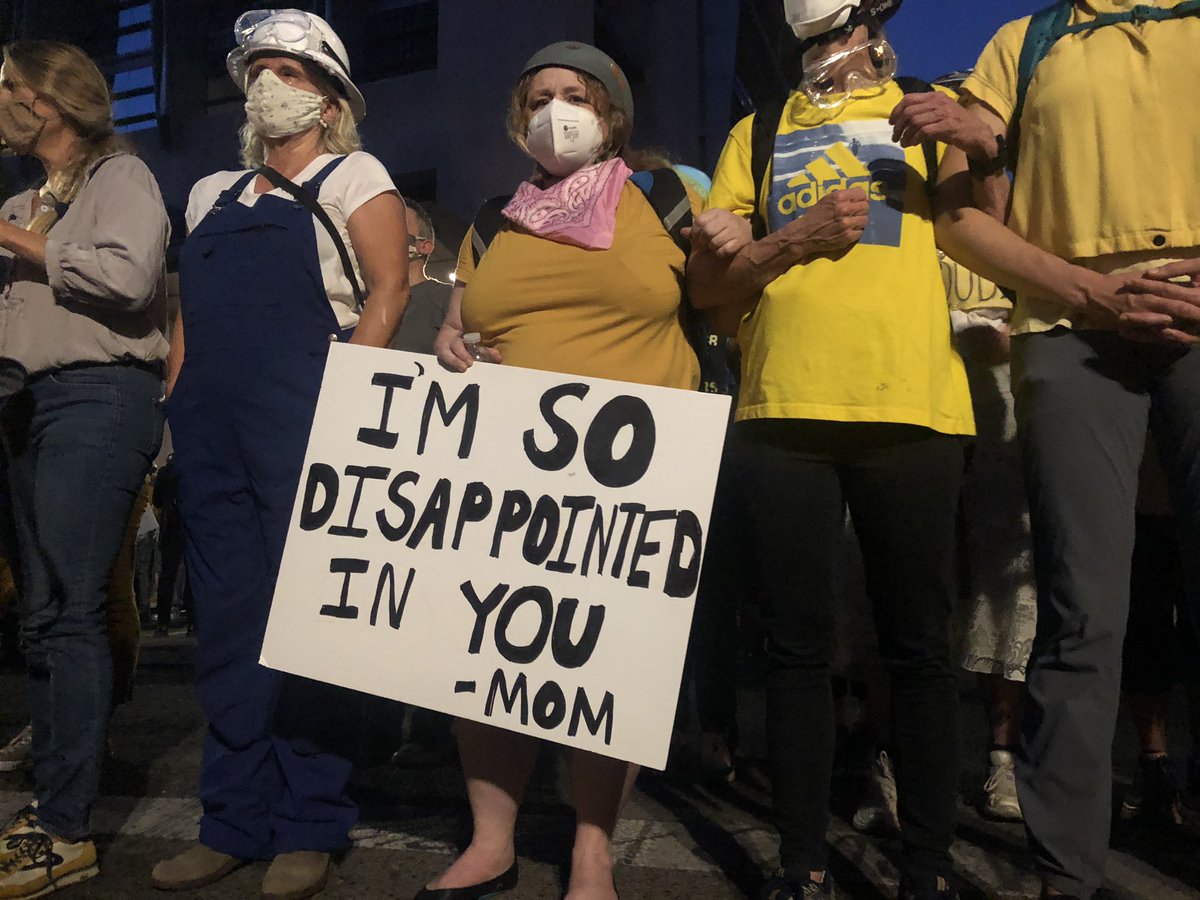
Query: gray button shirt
103, 294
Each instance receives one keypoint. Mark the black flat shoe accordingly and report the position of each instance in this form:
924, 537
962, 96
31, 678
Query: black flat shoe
493, 888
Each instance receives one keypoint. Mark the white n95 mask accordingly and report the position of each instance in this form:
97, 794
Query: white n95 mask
276, 110
563, 137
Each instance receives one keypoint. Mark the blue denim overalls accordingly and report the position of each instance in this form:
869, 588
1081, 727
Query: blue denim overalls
257, 326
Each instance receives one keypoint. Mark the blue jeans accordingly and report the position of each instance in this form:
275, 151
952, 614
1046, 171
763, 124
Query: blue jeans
78, 443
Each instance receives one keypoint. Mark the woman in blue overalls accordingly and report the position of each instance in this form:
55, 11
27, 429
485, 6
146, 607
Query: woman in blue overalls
264, 291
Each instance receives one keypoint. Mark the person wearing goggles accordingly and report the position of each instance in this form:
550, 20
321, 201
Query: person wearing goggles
853, 396
266, 285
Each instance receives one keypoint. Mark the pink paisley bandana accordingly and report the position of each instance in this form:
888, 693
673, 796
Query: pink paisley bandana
580, 210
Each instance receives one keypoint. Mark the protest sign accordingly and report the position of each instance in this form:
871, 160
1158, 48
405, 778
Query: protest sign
515, 547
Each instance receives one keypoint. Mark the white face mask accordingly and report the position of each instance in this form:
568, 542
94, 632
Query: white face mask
277, 110
563, 137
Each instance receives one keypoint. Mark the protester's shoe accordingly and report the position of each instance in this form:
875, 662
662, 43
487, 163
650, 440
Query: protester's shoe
14, 754
193, 868
790, 885
23, 821
999, 799
715, 759
877, 813
296, 875
415, 755
39, 863
1153, 794
493, 888
933, 888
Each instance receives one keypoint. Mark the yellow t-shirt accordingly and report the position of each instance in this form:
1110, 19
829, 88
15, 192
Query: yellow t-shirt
863, 336
1109, 144
602, 313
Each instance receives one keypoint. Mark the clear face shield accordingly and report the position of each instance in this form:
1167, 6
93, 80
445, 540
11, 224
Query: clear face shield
830, 78
289, 30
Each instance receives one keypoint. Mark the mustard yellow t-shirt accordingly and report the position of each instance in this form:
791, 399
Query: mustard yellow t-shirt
863, 336
1109, 144
602, 313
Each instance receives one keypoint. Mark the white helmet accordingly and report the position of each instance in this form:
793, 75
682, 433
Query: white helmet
813, 18
296, 33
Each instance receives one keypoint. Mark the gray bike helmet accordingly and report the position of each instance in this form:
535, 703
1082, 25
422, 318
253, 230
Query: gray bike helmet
592, 61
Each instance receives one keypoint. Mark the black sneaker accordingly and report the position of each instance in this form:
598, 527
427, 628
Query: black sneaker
935, 888
790, 885
1154, 794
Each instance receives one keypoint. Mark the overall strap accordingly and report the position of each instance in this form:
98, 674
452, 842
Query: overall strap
305, 195
762, 148
667, 195
488, 222
231, 193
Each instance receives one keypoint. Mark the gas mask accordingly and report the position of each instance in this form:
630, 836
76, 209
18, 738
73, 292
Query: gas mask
564, 137
278, 110
20, 126
831, 80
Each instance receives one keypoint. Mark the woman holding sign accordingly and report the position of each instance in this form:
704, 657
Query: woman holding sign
580, 276
269, 277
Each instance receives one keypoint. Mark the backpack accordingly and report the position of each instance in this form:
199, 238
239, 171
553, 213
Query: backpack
766, 127
665, 192
1048, 26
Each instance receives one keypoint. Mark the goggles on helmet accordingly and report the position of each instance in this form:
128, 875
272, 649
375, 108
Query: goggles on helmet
289, 30
829, 82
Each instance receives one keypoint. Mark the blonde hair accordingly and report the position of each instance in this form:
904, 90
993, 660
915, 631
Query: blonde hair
614, 118
68, 78
340, 137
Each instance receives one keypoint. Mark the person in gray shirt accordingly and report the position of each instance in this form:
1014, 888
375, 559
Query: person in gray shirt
427, 299
82, 316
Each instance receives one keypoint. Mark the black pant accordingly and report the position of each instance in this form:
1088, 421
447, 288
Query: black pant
901, 484
714, 648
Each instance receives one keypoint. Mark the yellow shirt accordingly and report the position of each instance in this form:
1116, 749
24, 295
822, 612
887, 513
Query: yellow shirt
1109, 144
602, 313
863, 336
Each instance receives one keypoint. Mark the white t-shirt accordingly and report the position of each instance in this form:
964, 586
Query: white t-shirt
360, 177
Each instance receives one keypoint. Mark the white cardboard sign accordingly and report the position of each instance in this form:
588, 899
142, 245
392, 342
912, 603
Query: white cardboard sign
510, 546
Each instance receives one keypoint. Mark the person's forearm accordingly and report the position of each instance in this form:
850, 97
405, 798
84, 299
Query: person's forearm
739, 280
381, 314
27, 245
988, 247
175, 355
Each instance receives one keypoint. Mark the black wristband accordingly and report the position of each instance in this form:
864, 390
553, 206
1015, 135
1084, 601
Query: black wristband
989, 167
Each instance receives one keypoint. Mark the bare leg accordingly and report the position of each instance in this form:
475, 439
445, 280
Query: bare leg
497, 765
599, 789
1150, 713
1003, 701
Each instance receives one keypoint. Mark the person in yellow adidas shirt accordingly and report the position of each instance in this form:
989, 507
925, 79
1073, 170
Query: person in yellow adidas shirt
1094, 97
852, 396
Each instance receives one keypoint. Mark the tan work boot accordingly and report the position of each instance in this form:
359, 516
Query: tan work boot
296, 875
193, 868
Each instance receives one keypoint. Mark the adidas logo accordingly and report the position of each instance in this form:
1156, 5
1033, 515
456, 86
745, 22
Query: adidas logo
835, 170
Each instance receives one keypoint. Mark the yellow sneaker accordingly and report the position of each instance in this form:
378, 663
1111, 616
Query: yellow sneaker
37, 863
23, 821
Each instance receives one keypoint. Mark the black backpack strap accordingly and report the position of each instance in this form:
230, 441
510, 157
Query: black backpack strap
762, 148
668, 197
488, 222
912, 85
305, 198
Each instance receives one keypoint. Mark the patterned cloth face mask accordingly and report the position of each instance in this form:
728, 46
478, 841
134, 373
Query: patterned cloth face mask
866, 66
277, 110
